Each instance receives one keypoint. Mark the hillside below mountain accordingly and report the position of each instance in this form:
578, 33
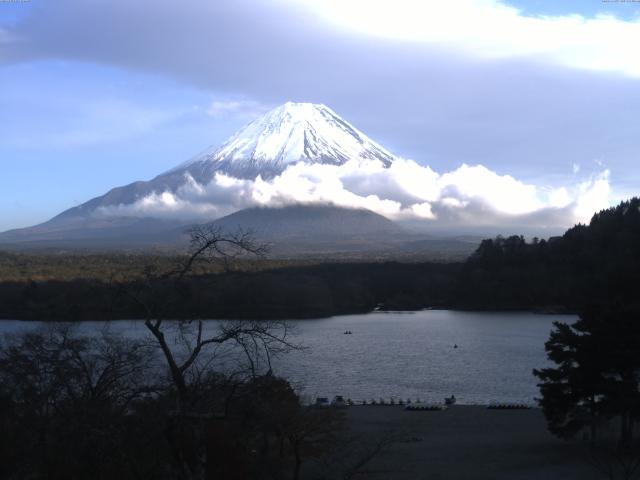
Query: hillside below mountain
310, 221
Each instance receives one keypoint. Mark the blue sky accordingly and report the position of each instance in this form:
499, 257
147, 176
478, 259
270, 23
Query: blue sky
98, 94
622, 9
72, 131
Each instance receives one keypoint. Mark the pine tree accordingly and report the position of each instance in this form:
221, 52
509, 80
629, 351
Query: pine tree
597, 373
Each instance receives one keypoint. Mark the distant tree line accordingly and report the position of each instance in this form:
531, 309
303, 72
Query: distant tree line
287, 292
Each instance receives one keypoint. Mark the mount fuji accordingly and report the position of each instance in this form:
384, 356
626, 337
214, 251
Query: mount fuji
291, 134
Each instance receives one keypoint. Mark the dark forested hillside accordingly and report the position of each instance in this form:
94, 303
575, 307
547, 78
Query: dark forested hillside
589, 264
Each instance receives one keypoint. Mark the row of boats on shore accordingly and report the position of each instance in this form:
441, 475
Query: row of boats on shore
340, 402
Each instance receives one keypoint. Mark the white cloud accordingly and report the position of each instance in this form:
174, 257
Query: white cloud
468, 196
492, 29
503, 193
559, 198
237, 108
593, 195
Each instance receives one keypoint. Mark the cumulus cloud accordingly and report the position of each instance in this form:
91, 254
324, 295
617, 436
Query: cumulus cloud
592, 195
468, 197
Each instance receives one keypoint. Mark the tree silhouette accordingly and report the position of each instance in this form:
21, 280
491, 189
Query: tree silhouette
190, 349
597, 374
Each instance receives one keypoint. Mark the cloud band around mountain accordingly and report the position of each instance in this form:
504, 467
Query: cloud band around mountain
469, 196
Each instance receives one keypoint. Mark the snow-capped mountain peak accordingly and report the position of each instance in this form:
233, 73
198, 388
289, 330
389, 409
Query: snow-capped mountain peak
290, 133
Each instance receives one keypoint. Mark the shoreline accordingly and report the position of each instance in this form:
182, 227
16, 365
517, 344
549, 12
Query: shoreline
344, 313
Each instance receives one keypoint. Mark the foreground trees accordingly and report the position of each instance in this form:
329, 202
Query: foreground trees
593, 391
67, 405
597, 375
76, 407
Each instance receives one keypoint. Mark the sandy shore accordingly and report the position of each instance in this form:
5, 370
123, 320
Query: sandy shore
468, 442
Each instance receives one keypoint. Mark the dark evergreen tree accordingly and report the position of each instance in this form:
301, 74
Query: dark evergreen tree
597, 373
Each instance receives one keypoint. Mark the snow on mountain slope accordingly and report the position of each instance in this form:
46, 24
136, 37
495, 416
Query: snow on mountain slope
290, 133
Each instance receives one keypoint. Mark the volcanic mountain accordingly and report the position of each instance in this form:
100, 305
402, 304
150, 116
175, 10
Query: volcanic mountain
289, 134
293, 133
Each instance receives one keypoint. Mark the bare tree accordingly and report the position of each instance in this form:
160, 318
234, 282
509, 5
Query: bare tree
190, 349
67, 399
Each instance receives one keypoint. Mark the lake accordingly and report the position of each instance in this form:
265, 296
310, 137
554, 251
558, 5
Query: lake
406, 355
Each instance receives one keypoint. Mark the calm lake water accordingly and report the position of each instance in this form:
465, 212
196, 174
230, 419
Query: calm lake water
406, 355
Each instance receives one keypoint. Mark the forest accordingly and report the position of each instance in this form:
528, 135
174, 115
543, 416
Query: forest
592, 263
